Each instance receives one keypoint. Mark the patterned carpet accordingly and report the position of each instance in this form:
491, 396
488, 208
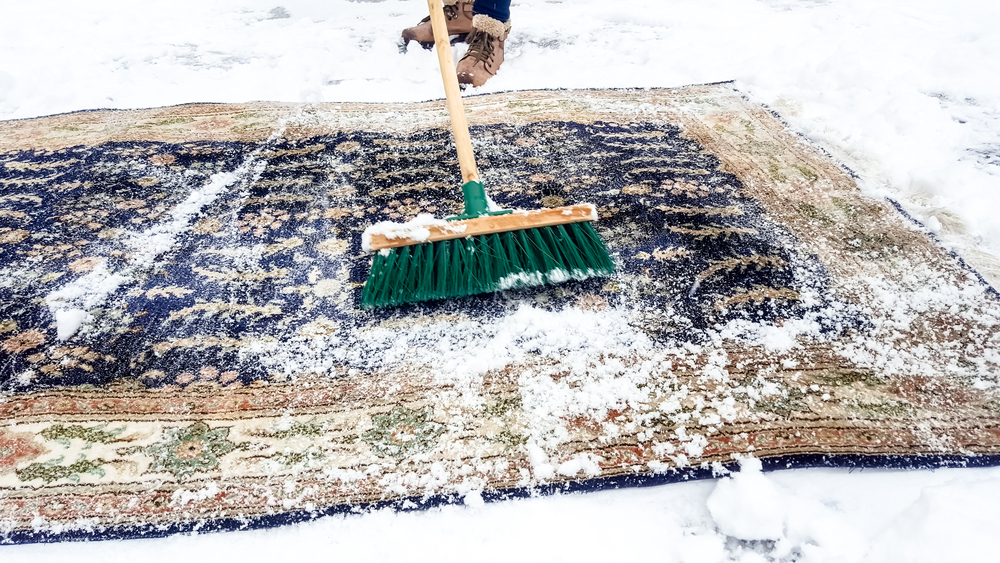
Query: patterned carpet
181, 346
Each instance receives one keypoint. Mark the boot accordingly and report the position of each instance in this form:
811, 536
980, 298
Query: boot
457, 13
485, 54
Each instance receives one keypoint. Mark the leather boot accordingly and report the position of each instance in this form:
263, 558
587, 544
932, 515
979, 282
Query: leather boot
485, 54
457, 13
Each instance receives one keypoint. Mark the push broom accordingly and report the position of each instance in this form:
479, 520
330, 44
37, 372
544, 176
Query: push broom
484, 249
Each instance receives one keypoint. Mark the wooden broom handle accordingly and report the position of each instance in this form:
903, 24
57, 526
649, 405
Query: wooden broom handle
459, 125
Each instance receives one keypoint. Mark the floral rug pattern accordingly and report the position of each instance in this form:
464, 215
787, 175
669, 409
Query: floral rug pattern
181, 345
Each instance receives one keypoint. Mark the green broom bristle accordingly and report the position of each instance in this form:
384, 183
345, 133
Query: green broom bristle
484, 264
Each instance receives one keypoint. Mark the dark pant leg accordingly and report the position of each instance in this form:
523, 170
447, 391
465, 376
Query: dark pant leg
496, 9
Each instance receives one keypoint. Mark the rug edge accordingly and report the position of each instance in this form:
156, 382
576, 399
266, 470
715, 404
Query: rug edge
413, 504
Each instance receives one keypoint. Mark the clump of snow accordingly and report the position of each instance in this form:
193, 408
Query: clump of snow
580, 463
774, 338
68, 321
184, 496
554, 276
539, 461
747, 505
415, 229
71, 302
87, 291
474, 499
524, 279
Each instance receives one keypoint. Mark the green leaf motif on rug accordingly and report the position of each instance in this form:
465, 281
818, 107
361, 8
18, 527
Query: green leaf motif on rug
184, 451
843, 377
509, 440
403, 432
290, 459
783, 406
50, 471
882, 408
502, 405
95, 435
296, 428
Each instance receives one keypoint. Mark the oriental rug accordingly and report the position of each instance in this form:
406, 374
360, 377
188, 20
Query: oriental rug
181, 346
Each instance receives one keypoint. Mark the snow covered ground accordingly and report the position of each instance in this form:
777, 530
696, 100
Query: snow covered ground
906, 93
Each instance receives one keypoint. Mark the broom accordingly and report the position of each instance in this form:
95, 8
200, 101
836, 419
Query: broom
482, 250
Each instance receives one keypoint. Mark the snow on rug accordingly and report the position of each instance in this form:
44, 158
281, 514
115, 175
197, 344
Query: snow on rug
181, 347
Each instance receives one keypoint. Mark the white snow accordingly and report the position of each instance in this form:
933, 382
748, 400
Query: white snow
68, 321
71, 302
415, 229
875, 516
906, 93
748, 506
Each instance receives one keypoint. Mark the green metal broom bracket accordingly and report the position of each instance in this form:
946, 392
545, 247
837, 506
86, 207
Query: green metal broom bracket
476, 204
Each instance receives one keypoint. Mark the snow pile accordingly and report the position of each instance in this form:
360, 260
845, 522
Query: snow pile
774, 522
68, 321
747, 506
416, 230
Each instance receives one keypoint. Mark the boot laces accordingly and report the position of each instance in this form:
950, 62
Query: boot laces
480, 45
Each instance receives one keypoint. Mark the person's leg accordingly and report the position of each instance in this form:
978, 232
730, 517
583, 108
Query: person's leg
491, 25
496, 9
